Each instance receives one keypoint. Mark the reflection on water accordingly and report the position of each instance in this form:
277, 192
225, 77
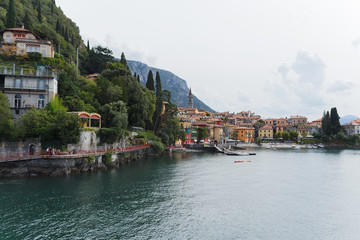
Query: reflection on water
306, 194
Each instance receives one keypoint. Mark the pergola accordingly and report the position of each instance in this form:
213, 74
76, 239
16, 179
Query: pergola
90, 120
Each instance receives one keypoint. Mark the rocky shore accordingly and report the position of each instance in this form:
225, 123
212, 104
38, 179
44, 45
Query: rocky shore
65, 166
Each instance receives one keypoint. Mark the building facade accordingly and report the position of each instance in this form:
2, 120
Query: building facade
26, 90
25, 41
352, 128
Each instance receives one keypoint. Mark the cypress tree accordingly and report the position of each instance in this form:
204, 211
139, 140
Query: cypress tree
158, 85
138, 78
27, 21
66, 34
11, 15
134, 74
88, 46
123, 60
334, 121
326, 124
58, 27
150, 81
39, 12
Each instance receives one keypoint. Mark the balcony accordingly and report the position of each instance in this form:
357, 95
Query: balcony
25, 87
40, 71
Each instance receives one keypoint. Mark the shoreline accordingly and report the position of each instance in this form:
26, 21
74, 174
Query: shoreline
58, 167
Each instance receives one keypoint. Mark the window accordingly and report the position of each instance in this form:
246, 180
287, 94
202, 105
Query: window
17, 101
28, 49
18, 83
7, 38
33, 49
43, 52
42, 84
41, 101
38, 49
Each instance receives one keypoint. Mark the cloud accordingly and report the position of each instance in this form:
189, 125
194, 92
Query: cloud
283, 70
340, 86
356, 42
297, 88
131, 52
310, 68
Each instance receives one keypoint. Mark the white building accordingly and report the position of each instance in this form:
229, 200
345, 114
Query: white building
24, 40
352, 128
26, 89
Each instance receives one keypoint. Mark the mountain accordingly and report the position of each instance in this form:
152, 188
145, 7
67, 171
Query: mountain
177, 86
347, 119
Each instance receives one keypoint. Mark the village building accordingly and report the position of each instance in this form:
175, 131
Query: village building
26, 41
31, 87
26, 89
352, 128
266, 132
245, 134
298, 120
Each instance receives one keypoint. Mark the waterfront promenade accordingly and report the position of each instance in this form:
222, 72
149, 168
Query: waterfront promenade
70, 154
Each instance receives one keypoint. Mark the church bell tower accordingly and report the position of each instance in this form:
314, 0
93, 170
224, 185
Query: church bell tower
190, 100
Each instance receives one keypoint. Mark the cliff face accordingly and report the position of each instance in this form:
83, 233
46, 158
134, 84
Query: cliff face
177, 86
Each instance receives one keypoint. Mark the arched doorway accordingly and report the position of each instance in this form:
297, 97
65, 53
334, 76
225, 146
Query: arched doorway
31, 149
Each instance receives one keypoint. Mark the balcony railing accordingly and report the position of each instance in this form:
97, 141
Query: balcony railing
10, 70
26, 87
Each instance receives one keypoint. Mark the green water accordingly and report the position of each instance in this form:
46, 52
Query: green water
306, 194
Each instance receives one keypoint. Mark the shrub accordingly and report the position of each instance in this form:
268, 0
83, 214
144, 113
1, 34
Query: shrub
148, 136
90, 159
34, 56
158, 147
107, 157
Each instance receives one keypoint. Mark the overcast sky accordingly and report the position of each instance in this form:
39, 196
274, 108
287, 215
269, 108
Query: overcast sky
276, 58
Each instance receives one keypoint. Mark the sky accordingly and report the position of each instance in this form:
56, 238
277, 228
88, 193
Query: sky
276, 58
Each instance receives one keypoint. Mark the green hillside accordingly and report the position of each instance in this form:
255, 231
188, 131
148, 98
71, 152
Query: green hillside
45, 19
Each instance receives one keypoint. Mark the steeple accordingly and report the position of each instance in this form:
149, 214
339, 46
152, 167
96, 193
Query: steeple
190, 100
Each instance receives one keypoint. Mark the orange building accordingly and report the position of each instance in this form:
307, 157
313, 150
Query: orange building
245, 134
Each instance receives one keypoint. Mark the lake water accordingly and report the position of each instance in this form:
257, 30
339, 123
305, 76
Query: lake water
306, 194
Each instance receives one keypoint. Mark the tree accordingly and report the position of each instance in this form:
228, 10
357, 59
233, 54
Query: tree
159, 104
334, 121
123, 60
285, 135
278, 135
114, 115
138, 78
326, 124
293, 135
98, 58
150, 81
11, 15
158, 85
27, 21
58, 26
5, 117
39, 12
202, 134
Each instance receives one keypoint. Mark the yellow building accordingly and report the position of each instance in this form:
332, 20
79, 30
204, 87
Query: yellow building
245, 134
218, 132
266, 132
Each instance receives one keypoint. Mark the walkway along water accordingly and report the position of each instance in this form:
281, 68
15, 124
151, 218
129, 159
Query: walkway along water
20, 165
70, 154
